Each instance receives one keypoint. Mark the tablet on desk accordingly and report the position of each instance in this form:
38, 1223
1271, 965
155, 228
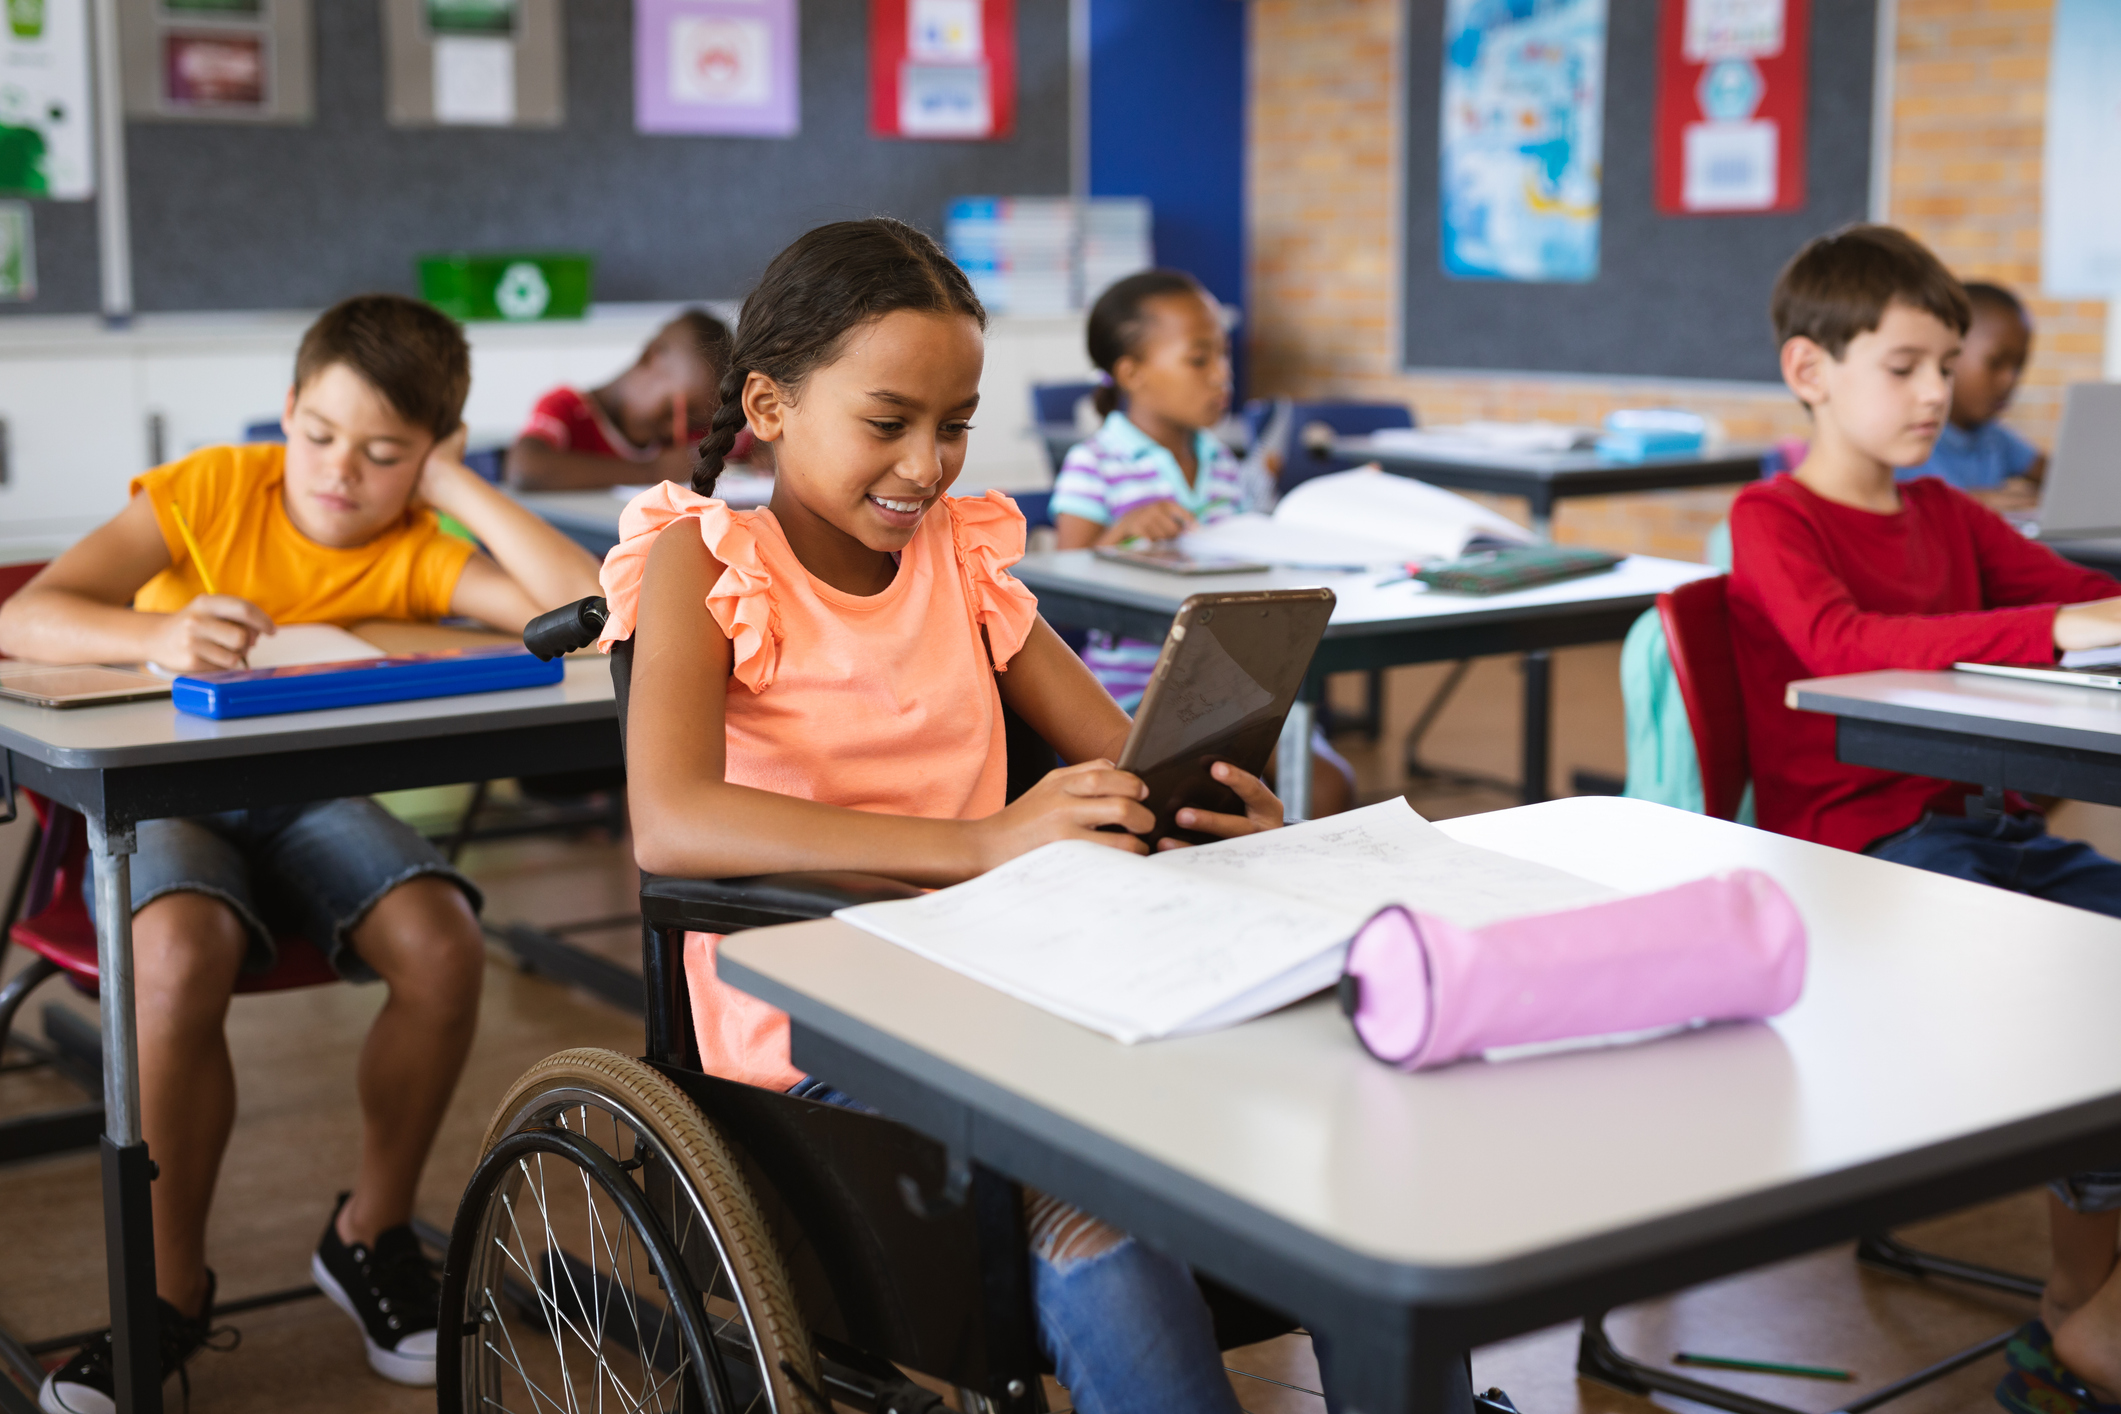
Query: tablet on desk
2106, 675
1172, 560
76, 685
1228, 674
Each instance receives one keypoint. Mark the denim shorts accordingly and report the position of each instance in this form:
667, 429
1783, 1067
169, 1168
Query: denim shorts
310, 870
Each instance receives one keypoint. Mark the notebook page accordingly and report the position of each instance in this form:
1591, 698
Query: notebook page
1356, 863
293, 645
1104, 940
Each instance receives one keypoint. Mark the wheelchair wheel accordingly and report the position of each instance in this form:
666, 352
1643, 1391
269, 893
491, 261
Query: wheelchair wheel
608, 1254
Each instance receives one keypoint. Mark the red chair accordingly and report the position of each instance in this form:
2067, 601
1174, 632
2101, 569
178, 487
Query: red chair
47, 916
1697, 634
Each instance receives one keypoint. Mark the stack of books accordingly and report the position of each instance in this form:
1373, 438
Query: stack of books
1032, 255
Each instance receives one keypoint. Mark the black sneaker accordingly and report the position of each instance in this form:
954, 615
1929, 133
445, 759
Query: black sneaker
87, 1384
391, 1293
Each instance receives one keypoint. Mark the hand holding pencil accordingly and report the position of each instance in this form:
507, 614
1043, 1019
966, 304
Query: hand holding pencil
215, 630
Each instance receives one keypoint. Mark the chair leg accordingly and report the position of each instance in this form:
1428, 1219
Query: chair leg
17, 990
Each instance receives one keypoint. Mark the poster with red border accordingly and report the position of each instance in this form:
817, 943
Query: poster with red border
942, 69
1732, 87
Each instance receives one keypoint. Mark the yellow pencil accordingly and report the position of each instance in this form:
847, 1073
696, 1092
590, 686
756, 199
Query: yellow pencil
191, 543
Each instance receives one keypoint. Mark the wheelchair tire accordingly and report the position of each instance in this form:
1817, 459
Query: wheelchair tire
608, 1253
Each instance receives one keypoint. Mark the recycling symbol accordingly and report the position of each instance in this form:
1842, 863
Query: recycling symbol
522, 292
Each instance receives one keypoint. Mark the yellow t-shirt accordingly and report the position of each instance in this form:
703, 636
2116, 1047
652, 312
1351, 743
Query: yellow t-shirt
232, 500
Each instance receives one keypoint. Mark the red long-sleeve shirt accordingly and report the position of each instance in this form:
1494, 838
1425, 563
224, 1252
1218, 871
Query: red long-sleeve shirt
1819, 588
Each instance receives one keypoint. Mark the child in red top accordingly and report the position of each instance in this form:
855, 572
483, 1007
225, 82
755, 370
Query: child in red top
625, 433
1838, 569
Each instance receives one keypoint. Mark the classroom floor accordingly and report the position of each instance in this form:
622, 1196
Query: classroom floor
293, 1149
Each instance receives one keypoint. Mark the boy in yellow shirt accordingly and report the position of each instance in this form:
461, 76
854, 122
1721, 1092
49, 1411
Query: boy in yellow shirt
337, 526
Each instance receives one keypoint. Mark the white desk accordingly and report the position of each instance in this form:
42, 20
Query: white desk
1374, 626
1932, 1062
2041, 738
138, 761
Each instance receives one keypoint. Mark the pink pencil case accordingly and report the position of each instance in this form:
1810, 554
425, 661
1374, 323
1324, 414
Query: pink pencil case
1422, 992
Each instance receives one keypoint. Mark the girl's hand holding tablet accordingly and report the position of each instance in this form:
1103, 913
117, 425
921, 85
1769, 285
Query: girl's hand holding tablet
1262, 809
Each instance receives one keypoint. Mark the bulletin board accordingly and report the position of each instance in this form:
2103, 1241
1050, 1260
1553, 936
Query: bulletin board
1674, 296
232, 217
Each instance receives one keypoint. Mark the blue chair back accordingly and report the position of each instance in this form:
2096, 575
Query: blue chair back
264, 431
1055, 402
1301, 464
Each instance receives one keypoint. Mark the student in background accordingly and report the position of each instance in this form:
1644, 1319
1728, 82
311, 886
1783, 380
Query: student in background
1839, 568
336, 526
1153, 471
819, 685
1974, 451
625, 432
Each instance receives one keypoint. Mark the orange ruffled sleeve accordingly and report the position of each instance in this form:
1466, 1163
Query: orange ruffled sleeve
741, 600
988, 533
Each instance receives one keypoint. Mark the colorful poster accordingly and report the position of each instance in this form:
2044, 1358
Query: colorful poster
1732, 83
716, 66
1523, 139
216, 70
942, 68
45, 147
2080, 228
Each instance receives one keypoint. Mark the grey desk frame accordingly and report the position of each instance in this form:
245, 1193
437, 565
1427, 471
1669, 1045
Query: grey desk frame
1815, 1130
157, 764
2000, 733
1543, 478
1075, 589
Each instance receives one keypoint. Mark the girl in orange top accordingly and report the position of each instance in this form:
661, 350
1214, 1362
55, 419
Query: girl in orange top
819, 685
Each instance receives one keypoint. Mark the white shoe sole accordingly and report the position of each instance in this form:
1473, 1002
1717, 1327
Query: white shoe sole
88, 1401
390, 1364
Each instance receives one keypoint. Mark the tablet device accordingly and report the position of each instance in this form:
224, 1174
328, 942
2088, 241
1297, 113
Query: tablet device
1172, 560
1230, 670
76, 685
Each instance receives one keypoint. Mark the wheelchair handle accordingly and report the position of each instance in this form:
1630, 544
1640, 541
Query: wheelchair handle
563, 630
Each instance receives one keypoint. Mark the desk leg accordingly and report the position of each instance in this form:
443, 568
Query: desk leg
1292, 766
1538, 734
1542, 507
128, 1218
1385, 1368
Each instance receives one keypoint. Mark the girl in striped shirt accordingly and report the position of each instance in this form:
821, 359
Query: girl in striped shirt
1153, 471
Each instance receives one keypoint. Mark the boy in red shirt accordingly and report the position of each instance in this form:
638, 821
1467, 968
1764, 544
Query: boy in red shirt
1839, 569
624, 433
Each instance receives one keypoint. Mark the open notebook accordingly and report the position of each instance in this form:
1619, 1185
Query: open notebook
297, 645
1360, 519
1198, 939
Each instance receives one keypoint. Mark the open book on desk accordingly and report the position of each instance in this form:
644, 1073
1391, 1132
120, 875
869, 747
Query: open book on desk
1198, 939
1356, 520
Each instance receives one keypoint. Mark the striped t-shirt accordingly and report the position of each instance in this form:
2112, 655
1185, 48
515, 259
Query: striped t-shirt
1121, 467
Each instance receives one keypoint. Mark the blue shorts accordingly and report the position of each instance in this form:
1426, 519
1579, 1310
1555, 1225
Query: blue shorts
310, 870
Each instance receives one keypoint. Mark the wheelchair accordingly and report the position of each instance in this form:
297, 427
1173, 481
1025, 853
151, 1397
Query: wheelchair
640, 1235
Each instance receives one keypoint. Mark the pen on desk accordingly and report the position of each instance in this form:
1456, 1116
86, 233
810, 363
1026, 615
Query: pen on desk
1765, 1367
191, 543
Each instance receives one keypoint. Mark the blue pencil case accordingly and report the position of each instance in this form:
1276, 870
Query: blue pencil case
312, 687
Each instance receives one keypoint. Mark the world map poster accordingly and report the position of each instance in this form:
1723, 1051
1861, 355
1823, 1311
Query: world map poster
1523, 129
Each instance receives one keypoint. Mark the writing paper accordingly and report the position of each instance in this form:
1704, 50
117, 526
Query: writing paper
1192, 940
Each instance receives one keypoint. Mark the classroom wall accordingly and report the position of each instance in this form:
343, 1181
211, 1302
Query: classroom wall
1970, 82
246, 216
1193, 169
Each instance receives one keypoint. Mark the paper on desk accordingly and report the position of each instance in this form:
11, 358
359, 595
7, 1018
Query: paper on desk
2092, 658
292, 645
1193, 940
735, 487
1361, 519
1489, 437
